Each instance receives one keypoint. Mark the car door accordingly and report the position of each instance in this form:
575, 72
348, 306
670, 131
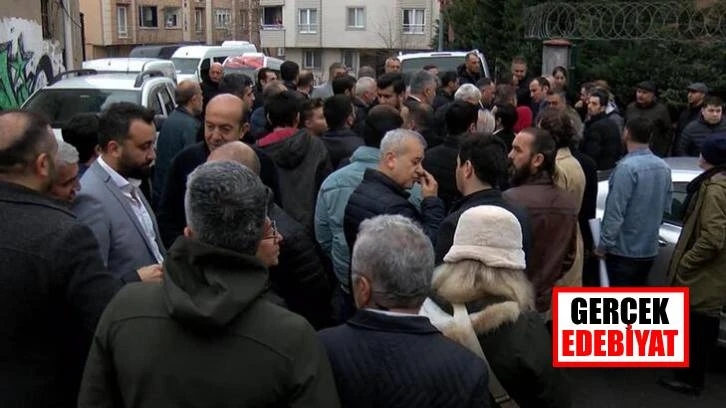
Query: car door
668, 235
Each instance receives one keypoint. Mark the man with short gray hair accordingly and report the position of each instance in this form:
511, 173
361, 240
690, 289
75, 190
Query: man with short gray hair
211, 314
422, 89
366, 93
384, 190
468, 93
392, 266
66, 183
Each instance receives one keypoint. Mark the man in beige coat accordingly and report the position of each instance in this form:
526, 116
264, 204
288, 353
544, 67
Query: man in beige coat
568, 176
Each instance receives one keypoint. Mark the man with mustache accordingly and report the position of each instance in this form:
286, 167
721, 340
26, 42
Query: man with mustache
110, 201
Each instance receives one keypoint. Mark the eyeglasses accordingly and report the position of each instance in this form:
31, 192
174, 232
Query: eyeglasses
275, 236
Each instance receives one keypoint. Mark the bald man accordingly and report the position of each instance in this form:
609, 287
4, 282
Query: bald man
210, 85
178, 132
54, 284
224, 122
299, 278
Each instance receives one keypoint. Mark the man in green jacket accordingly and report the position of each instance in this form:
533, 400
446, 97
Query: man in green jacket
206, 335
699, 262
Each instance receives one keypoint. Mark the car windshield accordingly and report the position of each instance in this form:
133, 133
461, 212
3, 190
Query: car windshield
60, 105
185, 66
443, 63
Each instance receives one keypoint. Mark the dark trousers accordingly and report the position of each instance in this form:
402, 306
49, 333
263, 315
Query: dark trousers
624, 272
703, 337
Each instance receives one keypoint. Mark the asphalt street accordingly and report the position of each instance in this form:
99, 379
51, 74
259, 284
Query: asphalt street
637, 388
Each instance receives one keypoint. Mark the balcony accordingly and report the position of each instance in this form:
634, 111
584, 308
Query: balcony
273, 37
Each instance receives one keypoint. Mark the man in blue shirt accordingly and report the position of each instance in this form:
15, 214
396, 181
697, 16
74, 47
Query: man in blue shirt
640, 192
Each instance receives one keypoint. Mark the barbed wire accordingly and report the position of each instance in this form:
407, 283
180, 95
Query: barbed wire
665, 21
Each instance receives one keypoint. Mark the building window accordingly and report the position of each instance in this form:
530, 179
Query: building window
199, 19
122, 18
147, 16
222, 17
308, 21
356, 17
272, 18
312, 59
171, 17
350, 59
413, 21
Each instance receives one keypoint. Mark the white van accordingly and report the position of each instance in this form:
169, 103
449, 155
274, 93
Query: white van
131, 65
194, 61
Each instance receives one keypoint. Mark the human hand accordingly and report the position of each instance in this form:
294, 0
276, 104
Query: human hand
151, 273
429, 186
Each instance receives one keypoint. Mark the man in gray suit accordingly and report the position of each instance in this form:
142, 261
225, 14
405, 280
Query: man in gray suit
110, 201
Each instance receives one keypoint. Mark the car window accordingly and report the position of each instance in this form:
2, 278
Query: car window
154, 102
678, 209
60, 105
219, 59
185, 66
166, 99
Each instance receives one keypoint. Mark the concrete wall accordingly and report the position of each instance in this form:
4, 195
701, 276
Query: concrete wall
28, 58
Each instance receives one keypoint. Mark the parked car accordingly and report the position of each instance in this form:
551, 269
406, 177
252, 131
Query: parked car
683, 170
86, 90
163, 51
444, 60
131, 65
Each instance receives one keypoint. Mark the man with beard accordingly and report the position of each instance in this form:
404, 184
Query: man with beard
695, 134
110, 201
646, 105
696, 95
552, 211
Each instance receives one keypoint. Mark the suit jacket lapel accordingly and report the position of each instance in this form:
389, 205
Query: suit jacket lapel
159, 244
124, 201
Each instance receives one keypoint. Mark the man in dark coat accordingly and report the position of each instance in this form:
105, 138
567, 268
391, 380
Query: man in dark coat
302, 160
470, 71
480, 167
299, 277
383, 190
711, 121
696, 94
588, 211
392, 266
340, 139
646, 105
445, 93
461, 118
210, 83
602, 136
224, 123
53, 286
178, 132
209, 317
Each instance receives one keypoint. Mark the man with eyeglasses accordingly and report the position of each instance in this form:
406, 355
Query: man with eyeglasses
213, 327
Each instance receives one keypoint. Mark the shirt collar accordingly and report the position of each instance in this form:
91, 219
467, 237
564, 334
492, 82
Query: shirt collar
390, 313
121, 182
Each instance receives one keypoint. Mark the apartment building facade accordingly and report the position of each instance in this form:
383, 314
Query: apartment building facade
316, 33
114, 27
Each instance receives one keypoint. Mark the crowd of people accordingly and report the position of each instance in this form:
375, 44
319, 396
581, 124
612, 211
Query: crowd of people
387, 240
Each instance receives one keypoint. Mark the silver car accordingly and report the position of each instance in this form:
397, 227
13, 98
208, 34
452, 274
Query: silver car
683, 170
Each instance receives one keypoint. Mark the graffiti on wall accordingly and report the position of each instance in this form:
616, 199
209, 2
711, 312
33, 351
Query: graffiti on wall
27, 61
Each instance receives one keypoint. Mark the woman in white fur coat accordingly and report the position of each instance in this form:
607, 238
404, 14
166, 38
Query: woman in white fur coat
483, 300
